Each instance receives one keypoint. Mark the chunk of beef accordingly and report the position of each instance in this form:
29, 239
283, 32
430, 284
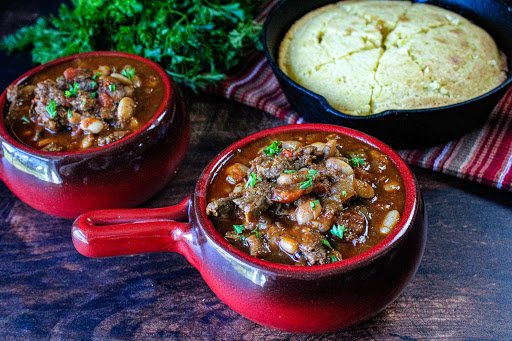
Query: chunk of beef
220, 207
312, 248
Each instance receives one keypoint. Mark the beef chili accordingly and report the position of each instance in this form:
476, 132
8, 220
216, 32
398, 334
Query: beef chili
306, 198
86, 103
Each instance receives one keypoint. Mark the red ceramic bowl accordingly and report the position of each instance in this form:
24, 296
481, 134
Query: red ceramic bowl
309, 299
120, 175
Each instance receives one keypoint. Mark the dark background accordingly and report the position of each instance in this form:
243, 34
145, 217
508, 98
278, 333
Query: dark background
462, 291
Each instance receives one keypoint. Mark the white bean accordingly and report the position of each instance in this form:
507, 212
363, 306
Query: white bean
287, 179
391, 186
339, 165
363, 189
103, 69
129, 91
319, 145
91, 125
87, 141
125, 109
305, 213
290, 145
75, 117
289, 245
390, 220
136, 81
123, 79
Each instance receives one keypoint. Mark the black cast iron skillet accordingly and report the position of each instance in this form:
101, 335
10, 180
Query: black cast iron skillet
399, 128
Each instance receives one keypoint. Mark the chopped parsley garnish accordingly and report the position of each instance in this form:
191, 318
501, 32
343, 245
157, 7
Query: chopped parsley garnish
273, 149
112, 87
239, 228
326, 243
356, 161
25, 120
84, 103
258, 235
290, 171
69, 113
72, 90
93, 95
344, 193
114, 70
314, 203
52, 108
128, 73
92, 84
96, 76
338, 230
251, 181
334, 259
309, 181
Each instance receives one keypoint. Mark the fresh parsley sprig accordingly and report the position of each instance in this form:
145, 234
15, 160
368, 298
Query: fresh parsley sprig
273, 149
51, 108
338, 230
197, 42
309, 181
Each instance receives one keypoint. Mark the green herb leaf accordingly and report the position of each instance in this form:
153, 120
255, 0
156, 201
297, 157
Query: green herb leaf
72, 90
239, 228
93, 95
334, 259
273, 149
128, 73
258, 235
309, 182
112, 87
356, 161
338, 230
326, 243
25, 120
344, 193
52, 108
92, 84
290, 171
313, 204
69, 114
251, 181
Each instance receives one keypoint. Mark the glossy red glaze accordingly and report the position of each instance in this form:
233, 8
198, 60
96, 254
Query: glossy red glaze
310, 299
120, 175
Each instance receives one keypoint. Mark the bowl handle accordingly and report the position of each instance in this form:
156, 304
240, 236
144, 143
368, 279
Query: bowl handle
115, 232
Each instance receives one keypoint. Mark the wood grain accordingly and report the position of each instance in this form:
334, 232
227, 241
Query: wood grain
462, 291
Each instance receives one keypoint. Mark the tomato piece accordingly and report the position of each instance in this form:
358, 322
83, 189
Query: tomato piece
287, 153
71, 73
288, 194
105, 100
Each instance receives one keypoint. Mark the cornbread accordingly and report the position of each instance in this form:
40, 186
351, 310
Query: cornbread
366, 57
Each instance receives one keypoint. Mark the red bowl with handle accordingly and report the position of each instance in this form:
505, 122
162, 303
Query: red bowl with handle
306, 299
119, 175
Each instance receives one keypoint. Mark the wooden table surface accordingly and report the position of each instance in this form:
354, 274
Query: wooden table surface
462, 290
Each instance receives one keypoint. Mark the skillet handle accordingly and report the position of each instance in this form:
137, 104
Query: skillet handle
116, 232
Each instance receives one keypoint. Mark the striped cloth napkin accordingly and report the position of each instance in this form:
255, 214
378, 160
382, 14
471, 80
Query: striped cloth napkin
483, 156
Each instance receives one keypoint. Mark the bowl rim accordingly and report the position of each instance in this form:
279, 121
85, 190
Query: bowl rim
405, 224
169, 89
328, 107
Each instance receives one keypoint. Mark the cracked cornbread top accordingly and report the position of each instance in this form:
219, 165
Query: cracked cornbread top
366, 57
